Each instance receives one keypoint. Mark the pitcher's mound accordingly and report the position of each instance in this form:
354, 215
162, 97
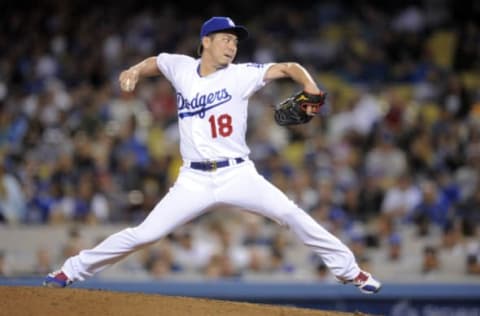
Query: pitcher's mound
30, 301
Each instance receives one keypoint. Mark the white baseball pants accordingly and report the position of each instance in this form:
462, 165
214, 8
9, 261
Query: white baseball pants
194, 192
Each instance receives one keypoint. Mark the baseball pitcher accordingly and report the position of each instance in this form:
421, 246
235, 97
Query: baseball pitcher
212, 98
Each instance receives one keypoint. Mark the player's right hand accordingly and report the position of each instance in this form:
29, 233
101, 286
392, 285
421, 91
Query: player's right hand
128, 80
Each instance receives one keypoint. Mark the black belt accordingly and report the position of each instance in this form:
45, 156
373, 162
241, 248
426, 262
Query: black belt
213, 165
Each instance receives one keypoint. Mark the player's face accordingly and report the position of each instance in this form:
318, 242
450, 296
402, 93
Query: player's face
224, 48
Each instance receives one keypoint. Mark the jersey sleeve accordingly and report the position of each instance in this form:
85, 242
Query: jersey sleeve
252, 77
169, 65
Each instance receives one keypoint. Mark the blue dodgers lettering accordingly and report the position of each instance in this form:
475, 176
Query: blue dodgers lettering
201, 103
256, 65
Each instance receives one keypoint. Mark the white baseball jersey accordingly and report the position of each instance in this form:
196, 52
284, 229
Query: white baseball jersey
212, 110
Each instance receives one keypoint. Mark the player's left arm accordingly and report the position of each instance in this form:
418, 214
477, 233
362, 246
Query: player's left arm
294, 71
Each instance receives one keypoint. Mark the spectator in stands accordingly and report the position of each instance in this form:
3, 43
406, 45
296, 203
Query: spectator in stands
469, 214
276, 163
254, 232
420, 147
3, 264
162, 104
351, 203
399, 202
43, 262
370, 196
346, 159
452, 241
470, 171
448, 148
456, 100
434, 208
395, 115
473, 258
232, 257
159, 267
448, 185
466, 50
277, 261
358, 244
301, 190
341, 122
128, 110
332, 217
322, 274
159, 260
13, 205
74, 243
221, 266
394, 247
367, 112
191, 254
430, 261
90, 205
385, 159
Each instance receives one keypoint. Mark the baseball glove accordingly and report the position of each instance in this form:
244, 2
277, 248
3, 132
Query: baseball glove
293, 110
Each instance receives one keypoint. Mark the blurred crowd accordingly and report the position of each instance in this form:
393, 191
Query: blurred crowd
396, 148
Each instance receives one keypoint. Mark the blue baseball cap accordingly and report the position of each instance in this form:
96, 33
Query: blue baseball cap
223, 24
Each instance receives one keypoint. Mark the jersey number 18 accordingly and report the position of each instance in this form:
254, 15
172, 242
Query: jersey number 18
222, 125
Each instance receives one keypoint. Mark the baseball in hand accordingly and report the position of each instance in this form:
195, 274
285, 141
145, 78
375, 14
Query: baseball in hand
128, 87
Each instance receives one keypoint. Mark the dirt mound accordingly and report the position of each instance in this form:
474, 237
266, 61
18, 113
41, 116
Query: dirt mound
32, 301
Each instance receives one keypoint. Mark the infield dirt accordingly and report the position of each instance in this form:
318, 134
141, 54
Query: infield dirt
38, 301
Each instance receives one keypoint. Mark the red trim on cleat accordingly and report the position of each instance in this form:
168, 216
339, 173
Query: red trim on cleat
57, 279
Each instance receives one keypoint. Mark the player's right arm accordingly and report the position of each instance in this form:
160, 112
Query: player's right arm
147, 68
